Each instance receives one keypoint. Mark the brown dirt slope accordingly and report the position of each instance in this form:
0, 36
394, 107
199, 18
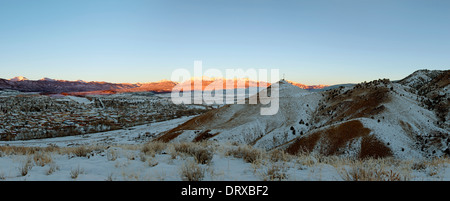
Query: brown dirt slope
192, 124
332, 141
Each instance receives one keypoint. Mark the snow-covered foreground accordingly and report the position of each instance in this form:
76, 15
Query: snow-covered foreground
127, 155
129, 163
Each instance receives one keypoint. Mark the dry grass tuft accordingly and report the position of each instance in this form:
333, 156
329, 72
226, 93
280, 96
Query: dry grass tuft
184, 147
201, 154
52, 168
25, 166
191, 171
112, 155
74, 173
153, 148
152, 162
42, 158
20, 150
81, 151
248, 153
371, 170
279, 155
276, 172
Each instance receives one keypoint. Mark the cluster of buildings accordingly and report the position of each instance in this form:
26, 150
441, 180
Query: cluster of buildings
34, 116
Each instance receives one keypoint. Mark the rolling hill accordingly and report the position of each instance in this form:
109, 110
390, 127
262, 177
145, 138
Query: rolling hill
406, 118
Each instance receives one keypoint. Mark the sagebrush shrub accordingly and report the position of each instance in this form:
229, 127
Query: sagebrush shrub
249, 154
191, 171
201, 155
41, 159
153, 148
81, 151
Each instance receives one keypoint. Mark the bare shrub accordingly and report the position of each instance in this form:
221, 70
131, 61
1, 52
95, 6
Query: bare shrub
142, 157
81, 151
110, 177
153, 148
52, 168
276, 172
41, 159
75, 172
184, 147
419, 166
358, 174
361, 171
279, 155
306, 159
191, 171
131, 156
201, 155
249, 154
173, 153
152, 162
112, 155
25, 166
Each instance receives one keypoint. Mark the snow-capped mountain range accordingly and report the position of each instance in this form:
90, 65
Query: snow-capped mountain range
49, 85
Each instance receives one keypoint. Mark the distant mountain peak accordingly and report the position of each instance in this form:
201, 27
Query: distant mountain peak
164, 80
82, 81
18, 78
303, 86
47, 79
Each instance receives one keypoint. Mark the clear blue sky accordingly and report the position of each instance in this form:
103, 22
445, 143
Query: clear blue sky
312, 42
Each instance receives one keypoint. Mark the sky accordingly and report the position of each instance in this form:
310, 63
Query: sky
311, 42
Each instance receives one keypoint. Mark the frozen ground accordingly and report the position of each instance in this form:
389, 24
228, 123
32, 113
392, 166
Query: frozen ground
127, 155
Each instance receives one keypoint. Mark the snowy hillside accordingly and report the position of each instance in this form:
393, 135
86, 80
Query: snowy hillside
370, 119
243, 123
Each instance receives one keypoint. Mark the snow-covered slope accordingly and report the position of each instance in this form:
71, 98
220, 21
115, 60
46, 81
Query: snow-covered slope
243, 122
373, 119
420, 78
395, 119
432, 88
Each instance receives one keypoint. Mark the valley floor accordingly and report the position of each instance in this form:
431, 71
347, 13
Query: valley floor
127, 155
